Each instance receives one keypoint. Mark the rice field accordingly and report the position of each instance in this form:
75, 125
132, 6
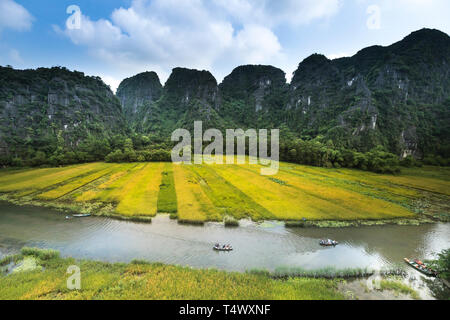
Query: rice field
212, 192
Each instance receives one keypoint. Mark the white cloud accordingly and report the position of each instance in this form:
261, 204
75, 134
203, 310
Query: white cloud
404, 16
257, 43
161, 34
338, 55
112, 82
272, 13
15, 57
14, 16
10, 56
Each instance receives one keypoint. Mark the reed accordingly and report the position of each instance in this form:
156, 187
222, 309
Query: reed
327, 273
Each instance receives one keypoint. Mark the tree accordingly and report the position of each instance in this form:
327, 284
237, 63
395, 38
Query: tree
39, 158
115, 156
442, 264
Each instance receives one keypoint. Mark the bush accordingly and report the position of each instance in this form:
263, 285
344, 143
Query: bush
115, 156
442, 264
259, 272
39, 159
295, 224
17, 162
231, 222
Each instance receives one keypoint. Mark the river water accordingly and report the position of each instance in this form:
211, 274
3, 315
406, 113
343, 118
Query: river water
266, 245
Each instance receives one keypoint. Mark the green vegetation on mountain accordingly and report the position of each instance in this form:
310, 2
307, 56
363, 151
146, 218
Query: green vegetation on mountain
390, 103
55, 116
137, 93
381, 108
395, 96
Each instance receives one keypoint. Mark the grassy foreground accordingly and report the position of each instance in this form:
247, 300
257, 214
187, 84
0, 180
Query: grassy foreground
45, 277
198, 193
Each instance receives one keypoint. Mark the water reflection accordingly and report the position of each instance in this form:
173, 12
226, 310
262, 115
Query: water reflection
268, 245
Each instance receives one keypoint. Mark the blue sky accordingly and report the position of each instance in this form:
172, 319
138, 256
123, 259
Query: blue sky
117, 39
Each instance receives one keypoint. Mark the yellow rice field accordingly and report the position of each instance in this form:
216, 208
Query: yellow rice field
213, 192
193, 203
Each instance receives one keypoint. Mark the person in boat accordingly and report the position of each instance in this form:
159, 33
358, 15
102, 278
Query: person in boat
217, 245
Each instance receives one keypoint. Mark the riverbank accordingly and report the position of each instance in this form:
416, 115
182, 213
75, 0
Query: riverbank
38, 274
200, 193
45, 277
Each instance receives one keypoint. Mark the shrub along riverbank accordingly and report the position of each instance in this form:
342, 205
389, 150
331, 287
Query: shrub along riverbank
47, 279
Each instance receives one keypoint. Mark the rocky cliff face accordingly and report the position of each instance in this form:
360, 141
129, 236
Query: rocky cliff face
253, 95
137, 92
188, 95
396, 96
39, 108
393, 96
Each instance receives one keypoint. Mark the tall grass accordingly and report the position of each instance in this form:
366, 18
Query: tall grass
327, 272
43, 254
143, 280
167, 197
193, 204
92, 191
227, 198
140, 196
44, 178
74, 184
398, 287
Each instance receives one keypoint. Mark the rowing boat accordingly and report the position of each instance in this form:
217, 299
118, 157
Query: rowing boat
222, 249
327, 243
421, 267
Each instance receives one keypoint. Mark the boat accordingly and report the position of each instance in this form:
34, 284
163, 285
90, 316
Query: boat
81, 215
328, 243
221, 248
421, 267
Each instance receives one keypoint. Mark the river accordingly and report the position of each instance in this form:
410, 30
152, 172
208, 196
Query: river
266, 245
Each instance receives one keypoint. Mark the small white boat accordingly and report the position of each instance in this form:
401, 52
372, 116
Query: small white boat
328, 243
81, 215
222, 248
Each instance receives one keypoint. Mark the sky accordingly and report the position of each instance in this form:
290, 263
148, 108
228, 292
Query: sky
117, 39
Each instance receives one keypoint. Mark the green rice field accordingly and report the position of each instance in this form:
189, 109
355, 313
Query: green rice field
212, 192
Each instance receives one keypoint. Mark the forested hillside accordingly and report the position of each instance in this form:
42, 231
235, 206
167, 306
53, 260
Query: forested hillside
367, 111
56, 116
396, 97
